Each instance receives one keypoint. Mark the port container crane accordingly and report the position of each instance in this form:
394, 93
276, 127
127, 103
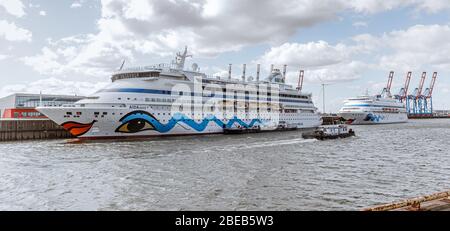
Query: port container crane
403, 93
387, 90
414, 102
429, 91
418, 91
427, 97
420, 104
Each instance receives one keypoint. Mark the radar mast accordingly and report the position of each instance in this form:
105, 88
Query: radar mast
181, 59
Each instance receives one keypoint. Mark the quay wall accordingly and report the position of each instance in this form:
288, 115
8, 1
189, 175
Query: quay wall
15, 130
427, 117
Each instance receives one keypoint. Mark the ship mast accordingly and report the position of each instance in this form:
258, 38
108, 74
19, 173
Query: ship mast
181, 59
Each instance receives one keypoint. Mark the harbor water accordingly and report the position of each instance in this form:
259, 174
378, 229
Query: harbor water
266, 171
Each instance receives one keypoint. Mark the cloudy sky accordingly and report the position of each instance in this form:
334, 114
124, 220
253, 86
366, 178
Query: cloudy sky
72, 46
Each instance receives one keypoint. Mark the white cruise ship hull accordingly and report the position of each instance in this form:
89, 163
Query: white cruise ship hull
362, 118
104, 123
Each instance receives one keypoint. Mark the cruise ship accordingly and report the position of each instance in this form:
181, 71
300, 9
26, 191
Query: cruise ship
373, 110
167, 99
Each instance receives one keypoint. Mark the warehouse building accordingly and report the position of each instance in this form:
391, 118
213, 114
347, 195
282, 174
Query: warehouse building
22, 106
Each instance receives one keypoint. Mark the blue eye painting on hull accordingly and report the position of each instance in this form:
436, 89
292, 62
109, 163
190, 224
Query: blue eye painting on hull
373, 118
153, 124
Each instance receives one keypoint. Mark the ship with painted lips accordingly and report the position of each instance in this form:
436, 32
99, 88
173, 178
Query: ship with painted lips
167, 99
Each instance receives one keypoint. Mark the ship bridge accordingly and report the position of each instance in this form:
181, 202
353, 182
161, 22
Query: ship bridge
139, 72
174, 69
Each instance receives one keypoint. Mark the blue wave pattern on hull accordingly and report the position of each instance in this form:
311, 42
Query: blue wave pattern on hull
374, 118
178, 117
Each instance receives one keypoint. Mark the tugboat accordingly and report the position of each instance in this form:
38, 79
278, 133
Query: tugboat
329, 132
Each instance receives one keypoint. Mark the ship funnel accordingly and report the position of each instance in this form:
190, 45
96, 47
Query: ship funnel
300, 80
258, 70
244, 67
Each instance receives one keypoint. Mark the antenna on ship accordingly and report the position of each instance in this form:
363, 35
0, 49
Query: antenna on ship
229, 71
284, 73
121, 66
244, 67
40, 98
258, 70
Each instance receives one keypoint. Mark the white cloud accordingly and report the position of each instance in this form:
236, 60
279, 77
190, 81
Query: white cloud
312, 54
46, 63
360, 24
433, 6
13, 7
11, 32
416, 48
161, 27
322, 62
346, 71
31, 5
208, 27
83, 55
375, 6
3, 57
42, 13
215, 26
77, 4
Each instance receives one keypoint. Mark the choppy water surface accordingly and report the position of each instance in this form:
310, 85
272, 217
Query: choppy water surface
272, 171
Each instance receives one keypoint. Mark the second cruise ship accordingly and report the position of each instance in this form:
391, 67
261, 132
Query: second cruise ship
373, 110
377, 109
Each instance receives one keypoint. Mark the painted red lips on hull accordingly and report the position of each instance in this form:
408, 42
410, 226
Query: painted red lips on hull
349, 121
77, 129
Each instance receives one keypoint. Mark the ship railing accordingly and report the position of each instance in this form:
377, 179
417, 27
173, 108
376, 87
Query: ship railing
148, 68
215, 77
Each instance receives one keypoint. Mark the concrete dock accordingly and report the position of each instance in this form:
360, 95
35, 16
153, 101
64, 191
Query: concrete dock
31, 129
434, 202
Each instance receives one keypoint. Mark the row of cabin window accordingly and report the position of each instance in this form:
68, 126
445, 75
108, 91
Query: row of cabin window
173, 100
77, 113
181, 109
258, 93
27, 114
135, 75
